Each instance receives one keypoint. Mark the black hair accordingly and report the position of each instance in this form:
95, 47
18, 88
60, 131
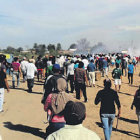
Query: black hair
81, 64
71, 116
15, 59
92, 61
117, 65
107, 83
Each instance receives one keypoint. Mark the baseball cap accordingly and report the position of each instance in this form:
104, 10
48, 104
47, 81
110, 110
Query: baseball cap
56, 66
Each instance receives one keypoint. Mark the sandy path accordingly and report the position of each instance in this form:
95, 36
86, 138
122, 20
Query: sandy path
23, 114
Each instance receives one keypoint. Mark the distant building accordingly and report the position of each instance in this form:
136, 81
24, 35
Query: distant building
65, 52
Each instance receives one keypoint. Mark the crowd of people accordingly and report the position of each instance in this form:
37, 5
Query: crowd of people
64, 113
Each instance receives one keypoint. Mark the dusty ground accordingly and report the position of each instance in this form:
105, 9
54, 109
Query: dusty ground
23, 117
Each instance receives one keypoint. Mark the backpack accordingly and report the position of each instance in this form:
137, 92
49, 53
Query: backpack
59, 101
50, 86
137, 99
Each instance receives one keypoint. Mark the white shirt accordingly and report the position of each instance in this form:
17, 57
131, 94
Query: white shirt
70, 69
73, 132
30, 70
60, 61
85, 61
23, 65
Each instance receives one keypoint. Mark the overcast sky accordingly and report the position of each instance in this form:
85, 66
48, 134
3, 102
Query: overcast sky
113, 22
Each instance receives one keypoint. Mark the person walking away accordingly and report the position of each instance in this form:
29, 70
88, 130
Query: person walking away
74, 114
118, 61
80, 78
2, 60
91, 71
117, 75
70, 75
61, 61
48, 68
105, 67
100, 63
30, 71
23, 68
85, 61
50, 83
124, 66
136, 103
16, 72
108, 98
3, 83
130, 72
54, 106
40, 67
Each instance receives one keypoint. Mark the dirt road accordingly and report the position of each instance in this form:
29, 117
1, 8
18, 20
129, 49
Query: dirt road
23, 117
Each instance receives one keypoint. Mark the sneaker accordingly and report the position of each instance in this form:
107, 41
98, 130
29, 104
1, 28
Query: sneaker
86, 101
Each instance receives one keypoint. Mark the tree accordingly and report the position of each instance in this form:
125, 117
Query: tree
51, 47
58, 48
10, 50
19, 49
42, 49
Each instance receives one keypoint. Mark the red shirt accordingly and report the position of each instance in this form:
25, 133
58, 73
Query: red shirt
47, 108
15, 66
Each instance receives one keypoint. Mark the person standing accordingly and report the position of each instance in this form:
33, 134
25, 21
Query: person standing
130, 72
3, 83
30, 71
108, 98
16, 72
23, 68
91, 71
117, 75
80, 78
136, 103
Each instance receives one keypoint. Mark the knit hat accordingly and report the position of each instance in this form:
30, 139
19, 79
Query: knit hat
74, 112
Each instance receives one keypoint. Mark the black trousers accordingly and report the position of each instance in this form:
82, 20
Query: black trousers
30, 84
78, 87
124, 69
71, 78
130, 78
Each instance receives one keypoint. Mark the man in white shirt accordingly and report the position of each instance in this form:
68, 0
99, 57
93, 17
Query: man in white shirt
85, 61
70, 75
74, 114
30, 71
23, 68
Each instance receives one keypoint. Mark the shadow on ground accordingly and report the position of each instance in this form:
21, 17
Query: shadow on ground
25, 129
121, 131
27, 91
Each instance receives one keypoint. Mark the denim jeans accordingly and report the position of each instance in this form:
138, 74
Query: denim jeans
15, 74
107, 120
1, 98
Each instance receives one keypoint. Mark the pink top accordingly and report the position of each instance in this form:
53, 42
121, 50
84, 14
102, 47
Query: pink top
47, 108
15, 66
